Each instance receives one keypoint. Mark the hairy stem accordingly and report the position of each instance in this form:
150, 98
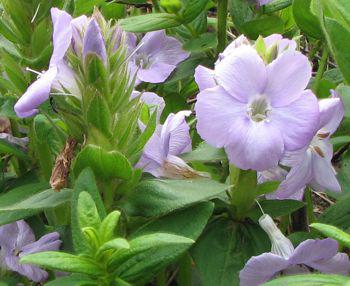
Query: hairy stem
222, 25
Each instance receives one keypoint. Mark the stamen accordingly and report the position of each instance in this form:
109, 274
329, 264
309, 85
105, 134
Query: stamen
318, 150
34, 71
134, 52
323, 135
36, 13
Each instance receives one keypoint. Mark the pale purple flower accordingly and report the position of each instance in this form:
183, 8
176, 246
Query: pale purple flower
160, 155
312, 164
156, 57
320, 255
93, 41
278, 174
17, 240
39, 91
257, 111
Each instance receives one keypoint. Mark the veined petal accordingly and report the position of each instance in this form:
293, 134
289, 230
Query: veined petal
218, 114
331, 114
241, 40
262, 268
66, 80
25, 234
48, 242
256, 145
242, 74
297, 121
8, 235
312, 250
324, 174
204, 78
338, 264
37, 93
62, 34
288, 76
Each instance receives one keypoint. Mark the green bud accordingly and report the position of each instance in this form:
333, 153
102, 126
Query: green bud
171, 6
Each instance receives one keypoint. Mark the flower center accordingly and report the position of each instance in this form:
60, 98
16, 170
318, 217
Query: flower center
142, 61
259, 109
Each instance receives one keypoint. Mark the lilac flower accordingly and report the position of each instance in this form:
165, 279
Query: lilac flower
312, 164
257, 111
160, 155
321, 255
39, 91
17, 240
155, 57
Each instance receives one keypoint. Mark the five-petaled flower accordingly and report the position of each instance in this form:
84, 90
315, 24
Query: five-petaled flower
17, 240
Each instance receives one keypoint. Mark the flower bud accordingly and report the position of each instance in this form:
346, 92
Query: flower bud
281, 245
171, 6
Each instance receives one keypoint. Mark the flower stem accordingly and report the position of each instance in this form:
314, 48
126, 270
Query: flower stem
222, 25
321, 69
309, 206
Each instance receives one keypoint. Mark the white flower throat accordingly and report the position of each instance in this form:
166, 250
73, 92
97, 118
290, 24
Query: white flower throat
259, 109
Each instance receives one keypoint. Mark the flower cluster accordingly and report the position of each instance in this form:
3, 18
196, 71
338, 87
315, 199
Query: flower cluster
17, 240
255, 104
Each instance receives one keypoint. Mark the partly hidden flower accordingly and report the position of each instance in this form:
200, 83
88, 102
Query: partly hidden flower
156, 57
17, 240
313, 164
161, 153
84, 37
256, 110
284, 259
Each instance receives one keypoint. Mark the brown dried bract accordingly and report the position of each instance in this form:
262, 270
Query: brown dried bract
61, 169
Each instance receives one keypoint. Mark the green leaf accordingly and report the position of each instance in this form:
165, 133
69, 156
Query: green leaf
148, 254
149, 22
84, 183
178, 222
205, 153
72, 280
305, 19
8, 148
241, 12
275, 208
267, 187
204, 42
222, 251
109, 225
63, 262
25, 206
85, 6
338, 214
277, 5
159, 197
310, 280
115, 244
192, 9
264, 26
98, 114
333, 232
106, 165
339, 10
87, 212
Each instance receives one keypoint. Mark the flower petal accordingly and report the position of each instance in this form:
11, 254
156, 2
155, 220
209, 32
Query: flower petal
288, 76
48, 242
175, 136
156, 73
242, 73
241, 40
32, 272
324, 174
338, 264
93, 41
62, 34
25, 234
297, 121
217, 114
66, 80
256, 145
204, 78
37, 93
312, 250
262, 268
331, 114
8, 235
159, 46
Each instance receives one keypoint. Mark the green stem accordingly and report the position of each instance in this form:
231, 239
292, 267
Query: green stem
108, 194
321, 69
309, 206
45, 160
222, 25
156, 5
184, 277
